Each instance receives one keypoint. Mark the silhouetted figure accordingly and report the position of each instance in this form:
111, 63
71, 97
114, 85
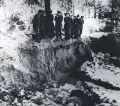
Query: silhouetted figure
68, 26
74, 26
49, 24
82, 22
77, 26
36, 26
42, 24
58, 24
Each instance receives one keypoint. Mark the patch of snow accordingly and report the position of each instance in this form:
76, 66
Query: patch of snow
91, 28
68, 87
104, 93
105, 72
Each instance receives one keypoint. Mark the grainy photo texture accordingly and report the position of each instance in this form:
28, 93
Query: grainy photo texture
59, 52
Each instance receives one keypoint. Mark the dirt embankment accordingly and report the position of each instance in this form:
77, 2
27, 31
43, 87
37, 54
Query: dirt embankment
53, 62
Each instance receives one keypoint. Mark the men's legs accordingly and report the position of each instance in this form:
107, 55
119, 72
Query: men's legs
42, 32
38, 35
56, 30
70, 33
81, 29
75, 32
59, 32
65, 29
66, 33
51, 31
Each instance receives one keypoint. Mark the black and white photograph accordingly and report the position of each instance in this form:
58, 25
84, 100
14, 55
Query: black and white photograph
59, 52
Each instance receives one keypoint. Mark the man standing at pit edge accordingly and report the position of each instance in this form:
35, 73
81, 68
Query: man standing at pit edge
37, 26
58, 24
82, 22
68, 26
49, 24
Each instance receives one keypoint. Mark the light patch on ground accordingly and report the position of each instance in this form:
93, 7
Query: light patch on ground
104, 93
105, 72
91, 28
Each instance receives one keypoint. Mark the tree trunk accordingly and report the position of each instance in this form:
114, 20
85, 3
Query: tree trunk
94, 8
94, 12
112, 12
47, 5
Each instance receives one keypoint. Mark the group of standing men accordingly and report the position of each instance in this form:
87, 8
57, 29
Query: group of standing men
43, 25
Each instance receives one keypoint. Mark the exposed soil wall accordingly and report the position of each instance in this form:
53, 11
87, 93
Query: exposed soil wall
55, 62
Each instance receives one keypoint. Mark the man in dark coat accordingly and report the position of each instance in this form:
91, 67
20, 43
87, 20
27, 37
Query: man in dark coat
68, 26
82, 22
49, 24
75, 27
36, 26
42, 24
58, 24
78, 26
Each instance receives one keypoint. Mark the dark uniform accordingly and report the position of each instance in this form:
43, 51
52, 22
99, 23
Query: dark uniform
82, 22
39, 25
58, 25
68, 27
76, 27
42, 24
49, 25
36, 26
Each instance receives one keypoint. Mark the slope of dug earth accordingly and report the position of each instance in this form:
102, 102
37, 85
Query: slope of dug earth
53, 60
24, 62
